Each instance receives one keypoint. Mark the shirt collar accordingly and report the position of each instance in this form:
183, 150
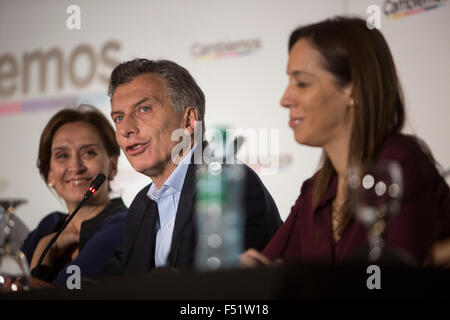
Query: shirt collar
174, 183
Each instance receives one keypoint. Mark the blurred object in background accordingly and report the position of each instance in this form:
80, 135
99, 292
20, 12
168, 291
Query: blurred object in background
20, 229
14, 268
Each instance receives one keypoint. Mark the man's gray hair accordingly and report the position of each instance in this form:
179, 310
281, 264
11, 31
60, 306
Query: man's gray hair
181, 86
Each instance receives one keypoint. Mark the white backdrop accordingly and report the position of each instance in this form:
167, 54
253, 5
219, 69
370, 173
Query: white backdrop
242, 88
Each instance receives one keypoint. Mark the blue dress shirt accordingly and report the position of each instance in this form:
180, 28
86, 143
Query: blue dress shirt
167, 199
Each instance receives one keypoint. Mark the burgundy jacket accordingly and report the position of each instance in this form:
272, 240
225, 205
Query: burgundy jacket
424, 216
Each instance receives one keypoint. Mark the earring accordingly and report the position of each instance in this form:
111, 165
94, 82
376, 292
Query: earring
351, 102
51, 185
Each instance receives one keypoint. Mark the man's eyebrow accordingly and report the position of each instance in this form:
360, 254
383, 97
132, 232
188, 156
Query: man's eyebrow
141, 101
116, 112
135, 105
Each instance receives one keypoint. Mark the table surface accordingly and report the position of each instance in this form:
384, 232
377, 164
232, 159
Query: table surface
288, 281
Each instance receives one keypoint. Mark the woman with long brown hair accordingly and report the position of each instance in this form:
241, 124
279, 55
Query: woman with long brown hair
344, 96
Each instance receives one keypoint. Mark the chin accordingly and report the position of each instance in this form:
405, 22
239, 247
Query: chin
300, 139
306, 142
139, 168
73, 199
145, 169
138, 164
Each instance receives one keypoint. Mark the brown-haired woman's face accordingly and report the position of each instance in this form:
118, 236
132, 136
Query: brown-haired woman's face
78, 155
319, 110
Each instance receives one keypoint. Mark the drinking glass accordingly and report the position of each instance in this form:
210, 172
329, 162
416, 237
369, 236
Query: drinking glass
375, 193
14, 268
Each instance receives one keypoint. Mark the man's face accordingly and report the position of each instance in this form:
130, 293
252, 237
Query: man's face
145, 118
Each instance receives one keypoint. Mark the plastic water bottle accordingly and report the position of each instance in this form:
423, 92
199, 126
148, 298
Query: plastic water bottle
219, 213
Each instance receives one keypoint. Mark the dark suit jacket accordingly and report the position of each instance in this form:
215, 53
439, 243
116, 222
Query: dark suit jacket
136, 256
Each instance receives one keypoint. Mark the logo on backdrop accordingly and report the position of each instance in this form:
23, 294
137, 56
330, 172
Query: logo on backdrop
224, 49
400, 8
37, 70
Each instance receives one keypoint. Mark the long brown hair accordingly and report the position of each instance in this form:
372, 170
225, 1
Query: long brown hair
359, 56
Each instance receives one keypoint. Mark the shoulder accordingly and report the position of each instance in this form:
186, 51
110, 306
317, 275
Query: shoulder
119, 216
140, 197
308, 184
138, 205
251, 175
306, 193
254, 187
143, 192
110, 227
257, 198
45, 227
410, 152
50, 221
415, 159
117, 207
405, 149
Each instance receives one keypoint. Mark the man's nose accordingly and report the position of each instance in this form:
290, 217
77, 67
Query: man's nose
127, 126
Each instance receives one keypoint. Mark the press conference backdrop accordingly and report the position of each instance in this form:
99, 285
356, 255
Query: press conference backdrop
237, 52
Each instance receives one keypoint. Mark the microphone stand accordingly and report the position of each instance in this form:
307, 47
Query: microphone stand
92, 189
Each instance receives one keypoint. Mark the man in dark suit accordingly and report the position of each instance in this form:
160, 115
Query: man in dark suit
151, 100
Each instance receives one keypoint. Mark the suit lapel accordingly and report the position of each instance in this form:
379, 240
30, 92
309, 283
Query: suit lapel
141, 249
184, 215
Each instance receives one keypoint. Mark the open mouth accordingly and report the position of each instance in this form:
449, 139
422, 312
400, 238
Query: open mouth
136, 148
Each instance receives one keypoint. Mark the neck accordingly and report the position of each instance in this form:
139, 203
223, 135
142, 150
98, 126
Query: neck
160, 178
164, 174
338, 155
338, 151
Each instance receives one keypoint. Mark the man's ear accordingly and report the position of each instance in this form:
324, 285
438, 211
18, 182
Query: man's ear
190, 118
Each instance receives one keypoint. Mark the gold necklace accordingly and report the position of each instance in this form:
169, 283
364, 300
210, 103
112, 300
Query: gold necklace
336, 221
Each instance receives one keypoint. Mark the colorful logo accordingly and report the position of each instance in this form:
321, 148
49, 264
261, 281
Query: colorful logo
95, 98
395, 9
225, 49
